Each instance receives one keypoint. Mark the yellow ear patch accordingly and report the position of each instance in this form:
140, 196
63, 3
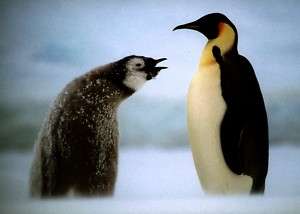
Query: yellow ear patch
224, 41
221, 27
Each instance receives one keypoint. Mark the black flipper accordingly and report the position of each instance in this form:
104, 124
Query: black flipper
254, 140
217, 54
244, 129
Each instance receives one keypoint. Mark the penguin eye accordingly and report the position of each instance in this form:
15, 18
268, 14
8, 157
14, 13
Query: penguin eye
138, 64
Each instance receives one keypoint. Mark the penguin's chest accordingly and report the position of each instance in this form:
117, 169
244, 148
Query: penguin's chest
205, 99
206, 109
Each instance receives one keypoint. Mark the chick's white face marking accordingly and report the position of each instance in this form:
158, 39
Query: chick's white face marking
135, 77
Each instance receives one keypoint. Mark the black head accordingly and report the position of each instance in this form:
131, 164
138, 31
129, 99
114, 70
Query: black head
139, 69
208, 25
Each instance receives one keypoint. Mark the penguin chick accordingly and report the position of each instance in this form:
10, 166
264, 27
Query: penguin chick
77, 148
227, 118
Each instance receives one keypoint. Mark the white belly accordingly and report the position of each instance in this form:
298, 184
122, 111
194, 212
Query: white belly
206, 108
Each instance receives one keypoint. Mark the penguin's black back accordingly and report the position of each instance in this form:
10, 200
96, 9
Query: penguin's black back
244, 128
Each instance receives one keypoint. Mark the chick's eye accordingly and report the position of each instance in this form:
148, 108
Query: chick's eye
138, 64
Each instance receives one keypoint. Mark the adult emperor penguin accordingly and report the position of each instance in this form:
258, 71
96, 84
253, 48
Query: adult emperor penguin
227, 120
77, 148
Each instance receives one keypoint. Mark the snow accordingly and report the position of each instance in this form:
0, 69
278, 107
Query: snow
157, 181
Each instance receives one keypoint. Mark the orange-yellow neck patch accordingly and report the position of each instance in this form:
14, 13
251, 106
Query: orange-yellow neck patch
224, 41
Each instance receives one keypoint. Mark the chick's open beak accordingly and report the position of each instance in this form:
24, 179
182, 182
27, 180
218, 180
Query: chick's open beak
158, 61
151, 68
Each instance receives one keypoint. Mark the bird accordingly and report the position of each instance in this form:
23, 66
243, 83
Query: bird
226, 114
76, 152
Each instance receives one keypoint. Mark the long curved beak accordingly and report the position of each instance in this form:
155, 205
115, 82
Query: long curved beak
190, 26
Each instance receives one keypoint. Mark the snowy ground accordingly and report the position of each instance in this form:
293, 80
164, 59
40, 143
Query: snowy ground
157, 181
